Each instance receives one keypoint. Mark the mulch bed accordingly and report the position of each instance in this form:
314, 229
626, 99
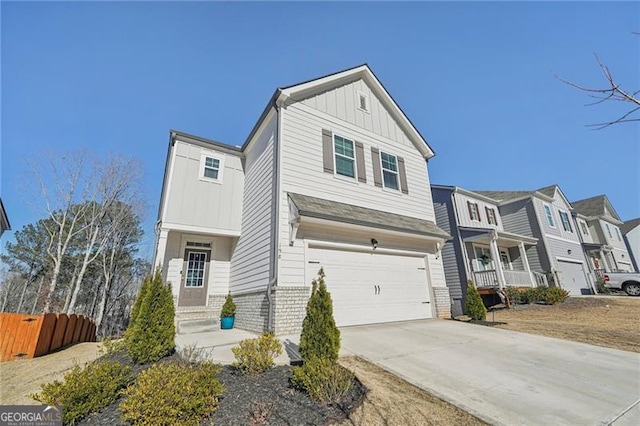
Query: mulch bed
267, 399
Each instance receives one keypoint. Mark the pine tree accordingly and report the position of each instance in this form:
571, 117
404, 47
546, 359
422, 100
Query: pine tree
152, 334
473, 304
320, 338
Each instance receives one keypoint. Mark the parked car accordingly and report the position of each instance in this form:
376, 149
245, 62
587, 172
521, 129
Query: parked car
626, 281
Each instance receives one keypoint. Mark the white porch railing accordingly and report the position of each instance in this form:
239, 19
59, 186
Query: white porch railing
512, 278
541, 279
485, 279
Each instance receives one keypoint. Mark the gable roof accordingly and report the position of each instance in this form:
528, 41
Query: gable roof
547, 192
595, 206
355, 215
629, 225
304, 89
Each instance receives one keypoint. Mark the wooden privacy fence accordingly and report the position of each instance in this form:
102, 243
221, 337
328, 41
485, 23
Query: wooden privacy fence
29, 336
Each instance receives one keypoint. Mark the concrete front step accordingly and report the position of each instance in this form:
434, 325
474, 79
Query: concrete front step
199, 321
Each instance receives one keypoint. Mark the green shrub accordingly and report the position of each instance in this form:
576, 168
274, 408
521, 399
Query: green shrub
255, 356
473, 304
514, 294
86, 391
152, 335
553, 295
601, 288
535, 294
110, 346
324, 380
229, 307
172, 394
144, 289
320, 338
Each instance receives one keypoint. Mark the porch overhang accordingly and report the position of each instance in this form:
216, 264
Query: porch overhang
596, 247
305, 209
504, 239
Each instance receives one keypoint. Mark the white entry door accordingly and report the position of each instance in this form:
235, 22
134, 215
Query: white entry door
369, 288
572, 278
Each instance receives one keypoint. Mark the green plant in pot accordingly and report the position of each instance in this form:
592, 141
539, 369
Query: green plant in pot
227, 316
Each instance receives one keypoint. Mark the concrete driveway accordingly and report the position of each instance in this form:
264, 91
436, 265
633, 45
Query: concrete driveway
506, 377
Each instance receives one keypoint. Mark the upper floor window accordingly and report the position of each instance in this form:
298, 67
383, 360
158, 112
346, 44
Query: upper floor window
606, 225
344, 156
618, 233
566, 224
583, 226
389, 170
491, 216
474, 211
549, 215
211, 167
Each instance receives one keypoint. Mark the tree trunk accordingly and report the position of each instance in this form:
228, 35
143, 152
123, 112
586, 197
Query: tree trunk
52, 287
35, 301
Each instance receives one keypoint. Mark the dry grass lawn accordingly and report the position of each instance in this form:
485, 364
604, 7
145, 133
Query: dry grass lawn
613, 322
393, 402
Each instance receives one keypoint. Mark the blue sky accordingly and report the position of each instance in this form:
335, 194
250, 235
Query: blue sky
475, 78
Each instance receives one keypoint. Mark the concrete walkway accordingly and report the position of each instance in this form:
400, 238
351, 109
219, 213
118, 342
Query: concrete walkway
506, 377
501, 376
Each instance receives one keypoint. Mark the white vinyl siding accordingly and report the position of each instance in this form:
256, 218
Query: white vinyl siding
251, 257
193, 201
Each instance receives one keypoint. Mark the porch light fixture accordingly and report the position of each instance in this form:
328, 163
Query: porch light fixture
374, 243
569, 251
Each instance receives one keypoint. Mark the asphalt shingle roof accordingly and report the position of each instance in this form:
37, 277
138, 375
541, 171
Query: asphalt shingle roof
512, 195
629, 225
593, 206
347, 213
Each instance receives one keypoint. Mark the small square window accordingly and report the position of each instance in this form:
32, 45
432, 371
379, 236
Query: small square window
211, 167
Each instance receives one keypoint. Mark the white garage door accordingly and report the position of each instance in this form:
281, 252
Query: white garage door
572, 278
369, 288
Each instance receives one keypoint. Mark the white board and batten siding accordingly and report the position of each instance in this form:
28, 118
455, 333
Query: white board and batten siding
464, 217
196, 202
250, 267
302, 169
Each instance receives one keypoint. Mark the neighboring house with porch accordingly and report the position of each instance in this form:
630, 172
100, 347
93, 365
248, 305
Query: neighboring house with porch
545, 214
631, 234
333, 176
4, 219
602, 238
482, 250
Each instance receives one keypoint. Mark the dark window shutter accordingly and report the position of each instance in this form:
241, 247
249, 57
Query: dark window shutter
327, 150
403, 176
362, 172
377, 172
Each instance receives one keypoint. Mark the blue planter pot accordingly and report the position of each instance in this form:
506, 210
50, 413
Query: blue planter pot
226, 323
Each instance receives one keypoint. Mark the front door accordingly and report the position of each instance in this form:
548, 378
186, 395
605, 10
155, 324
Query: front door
195, 275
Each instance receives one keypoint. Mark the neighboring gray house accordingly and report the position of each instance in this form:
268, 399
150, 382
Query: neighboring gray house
631, 233
4, 220
334, 176
602, 238
483, 248
545, 214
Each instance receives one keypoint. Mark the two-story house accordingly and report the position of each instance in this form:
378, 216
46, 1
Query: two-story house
602, 238
545, 214
631, 234
482, 250
333, 176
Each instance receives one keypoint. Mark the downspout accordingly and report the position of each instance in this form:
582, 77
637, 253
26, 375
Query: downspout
273, 281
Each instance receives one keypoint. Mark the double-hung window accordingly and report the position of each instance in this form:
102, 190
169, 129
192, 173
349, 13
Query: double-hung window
344, 156
585, 230
211, 165
491, 216
606, 225
549, 215
618, 233
566, 224
474, 211
389, 170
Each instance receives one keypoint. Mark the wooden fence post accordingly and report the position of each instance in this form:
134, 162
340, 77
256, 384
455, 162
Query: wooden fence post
45, 337
71, 326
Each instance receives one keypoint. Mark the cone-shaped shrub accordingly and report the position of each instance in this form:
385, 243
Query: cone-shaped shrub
473, 304
152, 335
144, 288
229, 307
320, 338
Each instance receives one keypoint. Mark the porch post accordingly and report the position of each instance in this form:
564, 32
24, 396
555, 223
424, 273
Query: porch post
525, 262
161, 248
495, 254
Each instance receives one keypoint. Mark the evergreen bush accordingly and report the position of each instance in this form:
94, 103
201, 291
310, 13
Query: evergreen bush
320, 338
473, 304
229, 307
152, 335
255, 356
173, 394
324, 380
86, 391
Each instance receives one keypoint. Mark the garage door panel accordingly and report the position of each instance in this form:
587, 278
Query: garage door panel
353, 278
